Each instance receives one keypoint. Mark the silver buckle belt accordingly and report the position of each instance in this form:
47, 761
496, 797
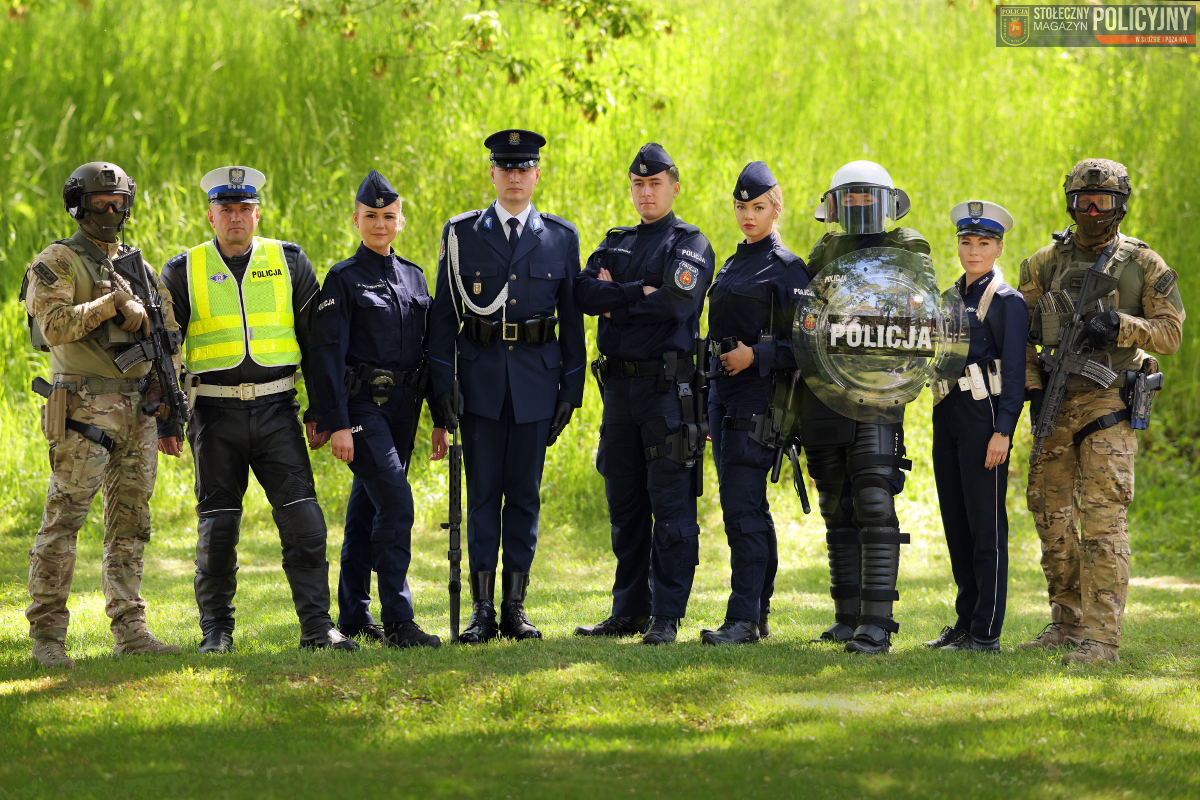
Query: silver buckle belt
247, 391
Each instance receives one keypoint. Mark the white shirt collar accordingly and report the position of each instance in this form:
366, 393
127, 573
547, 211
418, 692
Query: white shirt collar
503, 215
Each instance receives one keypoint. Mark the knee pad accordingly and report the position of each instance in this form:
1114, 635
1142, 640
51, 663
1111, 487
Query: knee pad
873, 502
216, 543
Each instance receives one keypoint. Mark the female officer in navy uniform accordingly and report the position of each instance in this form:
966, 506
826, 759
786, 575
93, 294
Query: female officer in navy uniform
370, 342
750, 301
972, 431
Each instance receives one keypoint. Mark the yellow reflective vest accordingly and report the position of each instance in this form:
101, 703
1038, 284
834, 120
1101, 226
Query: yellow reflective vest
226, 315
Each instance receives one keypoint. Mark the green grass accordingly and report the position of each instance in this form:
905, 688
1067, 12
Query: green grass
806, 86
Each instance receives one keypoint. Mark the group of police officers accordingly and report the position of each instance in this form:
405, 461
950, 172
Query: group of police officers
499, 355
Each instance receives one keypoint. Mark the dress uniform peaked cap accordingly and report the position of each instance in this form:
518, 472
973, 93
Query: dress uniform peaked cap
233, 185
515, 148
981, 218
756, 179
375, 191
651, 159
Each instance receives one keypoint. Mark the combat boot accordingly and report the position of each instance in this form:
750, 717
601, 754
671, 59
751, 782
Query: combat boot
218, 640
144, 643
1054, 635
873, 636
662, 630
734, 631
331, 639
370, 632
947, 637
482, 625
837, 633
1091, 652
764, 629
513, 622
615, 626
408, 634
51, 653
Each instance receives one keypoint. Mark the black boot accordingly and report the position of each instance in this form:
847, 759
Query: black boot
948, 636
370, 633
218, 640
845, 566
331, 639
615, 626
408, 634
482, 625
734, 631
662, 630
881, 565
764, 629
513, 622
839, 632
970, 642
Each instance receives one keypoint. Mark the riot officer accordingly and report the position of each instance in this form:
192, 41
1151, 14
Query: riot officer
369, 384
972, 431
750, 304
83, 312
504, 326
1082, 484
246, 304
857, 465
646, 283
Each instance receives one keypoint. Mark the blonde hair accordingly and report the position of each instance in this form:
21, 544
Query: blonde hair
775, 195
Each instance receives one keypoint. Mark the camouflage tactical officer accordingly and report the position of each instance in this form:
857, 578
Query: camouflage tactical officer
84, 313
1081, 486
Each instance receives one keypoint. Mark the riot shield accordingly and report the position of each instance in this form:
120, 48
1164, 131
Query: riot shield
875, 330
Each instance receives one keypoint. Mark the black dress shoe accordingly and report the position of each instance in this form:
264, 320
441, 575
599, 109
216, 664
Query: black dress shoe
481, 627
764, 629
217, 641
948, 636
970, 642
513, 622
837, 633
662, 630
870, 638
408, 634
734, 631
370, 632
332, 639
615, 626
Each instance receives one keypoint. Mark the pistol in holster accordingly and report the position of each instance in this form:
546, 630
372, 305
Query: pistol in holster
62, 398
1138, 393
600, 373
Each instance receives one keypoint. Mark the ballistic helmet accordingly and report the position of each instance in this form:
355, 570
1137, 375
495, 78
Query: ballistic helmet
861, 199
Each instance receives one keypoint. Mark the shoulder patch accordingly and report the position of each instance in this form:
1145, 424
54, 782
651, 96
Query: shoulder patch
466, 215
687, 276
327, 304
1166, 282
1025, 277
45, 274
798, 292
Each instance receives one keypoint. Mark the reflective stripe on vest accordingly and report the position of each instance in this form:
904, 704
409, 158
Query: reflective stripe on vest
217, 333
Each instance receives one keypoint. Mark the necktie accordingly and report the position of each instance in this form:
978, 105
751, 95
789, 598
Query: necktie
513, 236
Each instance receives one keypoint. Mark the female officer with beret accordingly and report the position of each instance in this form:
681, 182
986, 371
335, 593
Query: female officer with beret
749, 309
972, 431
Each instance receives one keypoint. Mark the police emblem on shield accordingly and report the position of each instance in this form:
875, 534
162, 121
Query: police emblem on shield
1013, 23
514, 138
876, 331
974, 209
237, 176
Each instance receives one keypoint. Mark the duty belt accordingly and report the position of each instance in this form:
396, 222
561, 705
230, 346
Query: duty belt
531, 331
380, 383
247, 391
93, 385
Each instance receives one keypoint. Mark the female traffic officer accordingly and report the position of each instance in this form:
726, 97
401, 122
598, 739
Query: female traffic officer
972, 431
750, 311
370, 342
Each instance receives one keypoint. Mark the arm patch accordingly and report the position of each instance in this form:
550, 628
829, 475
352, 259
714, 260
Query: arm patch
1025, 276
45, 274
687, 276
1166, 282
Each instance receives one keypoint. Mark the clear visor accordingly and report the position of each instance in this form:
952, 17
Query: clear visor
1103, 201
106, 203
859, 209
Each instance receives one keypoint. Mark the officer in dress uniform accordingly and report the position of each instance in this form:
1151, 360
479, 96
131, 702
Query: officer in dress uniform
972, 431
647, 284
504, 324
246, 305
750, 303
369, 347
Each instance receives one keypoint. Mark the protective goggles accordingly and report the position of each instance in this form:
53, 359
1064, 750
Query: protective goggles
859, 209
107, 203
1103, 201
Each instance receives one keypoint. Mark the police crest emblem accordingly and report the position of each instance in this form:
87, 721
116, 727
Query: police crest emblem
975, 209
810, 322
643, 168
379, 202
477, 287
1013, 25
237, 176
686, 276
220, 277
745, 195
514, 137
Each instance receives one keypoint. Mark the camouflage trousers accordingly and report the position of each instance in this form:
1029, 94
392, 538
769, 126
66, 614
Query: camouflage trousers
78, 469
1078, 498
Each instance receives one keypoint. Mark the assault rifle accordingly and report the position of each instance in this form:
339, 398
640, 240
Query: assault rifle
1072, 354
158, 347
783, 408
454, 525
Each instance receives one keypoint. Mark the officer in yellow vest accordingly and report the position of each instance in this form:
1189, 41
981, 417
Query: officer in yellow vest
246, 305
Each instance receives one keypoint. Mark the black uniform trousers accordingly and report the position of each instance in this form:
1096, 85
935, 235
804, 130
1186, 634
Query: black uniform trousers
379, 514
503, 460
742, 468
227, 442
974, 516
651, 507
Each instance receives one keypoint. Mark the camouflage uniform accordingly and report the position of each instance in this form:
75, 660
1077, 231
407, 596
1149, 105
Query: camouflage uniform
1079, 496
68, 305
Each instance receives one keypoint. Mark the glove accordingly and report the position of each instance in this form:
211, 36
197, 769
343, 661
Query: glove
445, 407
1035, 402
562, 415
132, 312
1103, 329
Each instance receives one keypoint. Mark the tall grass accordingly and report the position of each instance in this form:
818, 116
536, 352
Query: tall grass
172, 89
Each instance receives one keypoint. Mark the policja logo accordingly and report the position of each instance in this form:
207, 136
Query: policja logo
1014, 25
237, 176
974, 209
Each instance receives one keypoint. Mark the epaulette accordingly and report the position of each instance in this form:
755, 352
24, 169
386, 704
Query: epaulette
686, 227
908, 236
411, 264
620, 229
176, 262
553, 218
466, 215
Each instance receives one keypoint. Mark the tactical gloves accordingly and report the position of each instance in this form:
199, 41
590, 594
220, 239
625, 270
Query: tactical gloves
1035, 402
132, 313
448, 410
1103, 329
562, 415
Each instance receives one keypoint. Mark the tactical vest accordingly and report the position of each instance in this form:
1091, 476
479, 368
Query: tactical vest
226, 315
1066, 275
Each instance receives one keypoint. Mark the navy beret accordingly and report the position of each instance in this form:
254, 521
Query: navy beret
754, 181
515, 148
375, 191
651, 160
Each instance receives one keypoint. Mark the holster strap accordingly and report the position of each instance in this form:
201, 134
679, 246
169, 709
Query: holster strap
859, 463
1099, 424
247, 391
92, 433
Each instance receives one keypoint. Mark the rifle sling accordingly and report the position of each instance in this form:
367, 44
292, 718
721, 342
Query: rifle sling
92, 433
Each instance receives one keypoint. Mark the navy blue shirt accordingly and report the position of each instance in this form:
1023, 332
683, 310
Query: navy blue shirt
670, 255
372, 310
1000, 335
755, 293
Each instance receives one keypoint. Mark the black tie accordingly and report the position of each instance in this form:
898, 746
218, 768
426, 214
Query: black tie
513, 236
